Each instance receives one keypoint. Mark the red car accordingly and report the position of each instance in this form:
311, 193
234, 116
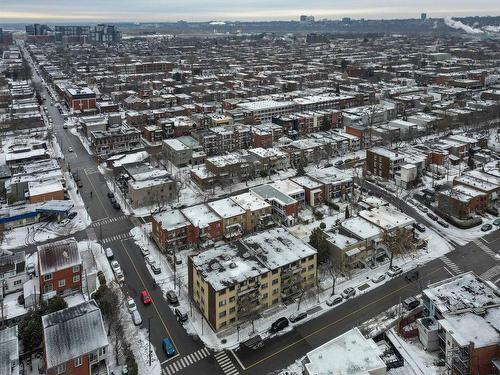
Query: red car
146, 299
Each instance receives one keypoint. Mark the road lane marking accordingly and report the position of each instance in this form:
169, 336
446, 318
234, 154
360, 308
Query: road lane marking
97, 194
153, 302
332, 323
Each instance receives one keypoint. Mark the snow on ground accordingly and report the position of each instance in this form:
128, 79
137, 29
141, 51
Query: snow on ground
312, 302
43, 231
74, 130
125, 207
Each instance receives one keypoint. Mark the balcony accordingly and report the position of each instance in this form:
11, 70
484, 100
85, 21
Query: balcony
99, 368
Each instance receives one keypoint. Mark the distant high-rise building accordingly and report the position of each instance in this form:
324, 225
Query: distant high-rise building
346, 20
423, 16
99, 33
304, 18
38, 29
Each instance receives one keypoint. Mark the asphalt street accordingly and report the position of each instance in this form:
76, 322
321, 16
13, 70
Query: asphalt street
280, 351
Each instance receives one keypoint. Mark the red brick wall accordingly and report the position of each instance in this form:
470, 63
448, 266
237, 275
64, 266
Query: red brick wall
216, 229
84, 369
65, 274
78, 104
352, 131
292, 209
480, 359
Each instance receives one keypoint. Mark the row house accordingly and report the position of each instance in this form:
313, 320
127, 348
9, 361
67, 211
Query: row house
383, 162
115, 139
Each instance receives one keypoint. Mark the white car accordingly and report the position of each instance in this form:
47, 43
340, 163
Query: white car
131, 306
70, 149
394, 271
109, 253
136, 318
119, 276
145, 252
149, 259
115, 266
378, 278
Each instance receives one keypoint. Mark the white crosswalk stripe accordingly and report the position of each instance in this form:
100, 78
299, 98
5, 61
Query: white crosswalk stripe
108, 220
452, 266
485, 248
116, 237
225, 363
491, 273
185, 361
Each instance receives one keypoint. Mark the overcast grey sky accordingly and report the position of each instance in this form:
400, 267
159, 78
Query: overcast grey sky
206, 10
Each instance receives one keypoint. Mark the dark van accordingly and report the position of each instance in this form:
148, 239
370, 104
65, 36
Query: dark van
279, 324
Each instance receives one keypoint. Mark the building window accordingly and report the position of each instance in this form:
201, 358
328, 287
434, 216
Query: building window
231, 299
76, 279
61, 283
310, 267
232, 310
222, 303
222, 292
78, 361
76, 268
275, 271
18, 282
275, 281
61, 368
47, 277
264, 296
263, 286
275, 301
222, 314
275, 291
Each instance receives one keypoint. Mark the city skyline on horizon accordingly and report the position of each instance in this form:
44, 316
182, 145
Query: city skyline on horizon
256, 10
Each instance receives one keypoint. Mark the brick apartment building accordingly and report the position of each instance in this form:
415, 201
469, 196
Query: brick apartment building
383, 162
79, 99
59, 268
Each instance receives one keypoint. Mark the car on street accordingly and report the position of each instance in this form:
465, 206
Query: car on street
181, 315
155, 267
72, 215
279, 324
334, 300
79, 184
419, 227
410, 303
338, 163
110, 195
412, 275
115, 266
116, 205
168, 347
295, 317
109, 253
112, 200
486, 227
65, 126
423, 208
144, 251
172, 298
65, 222
443, 223
378, 278
149, 259
145, 297
136, 317
120, 278
131, 306
394, 271
70, 149
497, 222
348, 293
432, 216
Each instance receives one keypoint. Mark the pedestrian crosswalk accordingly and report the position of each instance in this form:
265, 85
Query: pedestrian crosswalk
491, 273
116, 237
225, 363
485, 248
185, 361
450, 265
108, 220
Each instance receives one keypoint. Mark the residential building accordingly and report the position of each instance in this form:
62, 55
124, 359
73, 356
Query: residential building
114, 140
171, 230
59, 268
233, 282
12, 272
258, 211
284, 208
75, 341
383, 162
233, 216
9, 351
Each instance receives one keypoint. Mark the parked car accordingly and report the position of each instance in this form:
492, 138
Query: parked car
115, 266
486, 227
113, 200
136, 318
145, 297
168, 347
297, 316
181, 315
432, 216
394, 271
410, 303
149, 259
30, 268
65, 222
131, 306
412, 275
65, 126
279, 324
144, 251
172, 297
378, 278
443, 223
348, 292
497, 222
72, 215
155, 267
116, 205
419, 227
120, 278
338, 163
109, 253
70, 149
110, 194
79, 183
334, 300
423, 208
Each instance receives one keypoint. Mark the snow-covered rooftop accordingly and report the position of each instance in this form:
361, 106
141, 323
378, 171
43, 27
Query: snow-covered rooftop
387, 217
200, 215
461, 292
226, 208
361, 228
347, 354
250, 201
171, 220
